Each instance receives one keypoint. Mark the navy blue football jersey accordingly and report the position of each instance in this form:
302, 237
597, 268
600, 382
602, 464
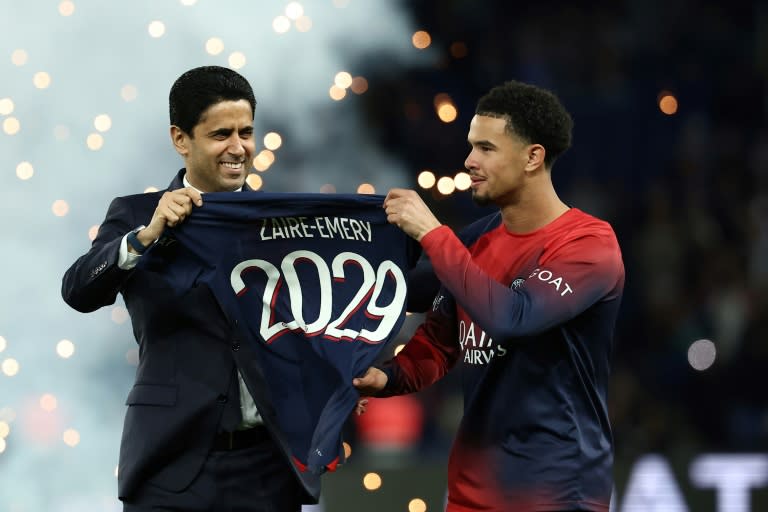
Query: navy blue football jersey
317, 284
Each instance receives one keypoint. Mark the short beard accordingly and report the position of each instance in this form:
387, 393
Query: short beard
481, 200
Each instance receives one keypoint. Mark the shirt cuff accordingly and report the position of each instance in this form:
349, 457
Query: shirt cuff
126, 260
436, 237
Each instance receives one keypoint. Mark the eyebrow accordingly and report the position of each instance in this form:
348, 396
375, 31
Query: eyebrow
483, 142
227, 131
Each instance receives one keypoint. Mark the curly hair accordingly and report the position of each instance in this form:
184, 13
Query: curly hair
199, 88
533, 114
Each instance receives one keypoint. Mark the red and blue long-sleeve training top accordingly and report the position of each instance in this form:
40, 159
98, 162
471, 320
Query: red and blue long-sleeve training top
529, 319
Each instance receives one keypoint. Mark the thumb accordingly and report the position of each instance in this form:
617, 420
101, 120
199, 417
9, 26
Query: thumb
365, 380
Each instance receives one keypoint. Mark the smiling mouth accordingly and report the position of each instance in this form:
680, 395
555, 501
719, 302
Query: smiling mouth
235, 166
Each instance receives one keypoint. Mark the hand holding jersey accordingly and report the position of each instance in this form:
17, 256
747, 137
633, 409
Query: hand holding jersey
407, 210
173, 208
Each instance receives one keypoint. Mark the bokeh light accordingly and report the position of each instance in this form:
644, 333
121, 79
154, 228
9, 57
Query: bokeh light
304, 24
342, 79
24, 171
11, 125
66, 8
446, 186
328, 188
42, 80
71, 437
372, 481
462, 181
214, 46
156, 29
263, 160
6, 106
337, 93
421, 39
294, 10
3, 343
445, 108
94, 141
150, 189
447, 112
48, 402
60, 208
281, 24
426, 179
417, 505
5, 429
129, 92
10, 367
236, 60
19, 57
667, 103
102, 122
65, 349
273, 141
366, 188
255, 181
347, 449
92, 232
359, 85
702, 354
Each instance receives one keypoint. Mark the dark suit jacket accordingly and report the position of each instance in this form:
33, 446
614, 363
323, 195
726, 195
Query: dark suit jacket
188, 352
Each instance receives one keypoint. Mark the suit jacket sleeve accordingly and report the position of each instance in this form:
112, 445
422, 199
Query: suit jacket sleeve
94, 280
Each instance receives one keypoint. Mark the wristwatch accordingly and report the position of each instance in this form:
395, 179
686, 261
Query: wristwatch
134, 242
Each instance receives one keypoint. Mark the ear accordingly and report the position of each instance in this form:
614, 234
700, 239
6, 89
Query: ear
536, 154
179, 138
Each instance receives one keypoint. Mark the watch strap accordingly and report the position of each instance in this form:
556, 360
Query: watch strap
134, 242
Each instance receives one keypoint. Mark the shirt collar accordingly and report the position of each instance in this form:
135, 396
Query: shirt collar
186, 183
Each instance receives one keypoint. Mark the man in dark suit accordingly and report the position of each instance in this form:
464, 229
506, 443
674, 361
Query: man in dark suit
199, 431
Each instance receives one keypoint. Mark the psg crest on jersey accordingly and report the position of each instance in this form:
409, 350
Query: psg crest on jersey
517, 283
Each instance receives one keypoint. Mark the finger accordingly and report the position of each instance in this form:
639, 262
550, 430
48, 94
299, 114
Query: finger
180, 197
178, 212
195, 196
393, 194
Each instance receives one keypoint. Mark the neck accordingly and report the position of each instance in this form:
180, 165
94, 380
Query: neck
534, 209
188, 183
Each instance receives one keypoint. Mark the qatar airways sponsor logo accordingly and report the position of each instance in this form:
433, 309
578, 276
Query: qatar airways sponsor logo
556, 281
477, 347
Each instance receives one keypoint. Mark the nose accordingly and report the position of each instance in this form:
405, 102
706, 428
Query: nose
236, 146
469, 163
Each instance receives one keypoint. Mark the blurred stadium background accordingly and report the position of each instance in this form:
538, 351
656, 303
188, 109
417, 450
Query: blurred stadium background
671, 146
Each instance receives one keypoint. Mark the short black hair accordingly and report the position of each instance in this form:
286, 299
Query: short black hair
199, 88
532, 113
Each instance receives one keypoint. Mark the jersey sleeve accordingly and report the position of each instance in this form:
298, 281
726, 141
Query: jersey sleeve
423, 284
587, 268
429, 354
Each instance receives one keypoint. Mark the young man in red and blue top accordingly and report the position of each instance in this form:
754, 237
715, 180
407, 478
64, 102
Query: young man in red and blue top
527, 310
